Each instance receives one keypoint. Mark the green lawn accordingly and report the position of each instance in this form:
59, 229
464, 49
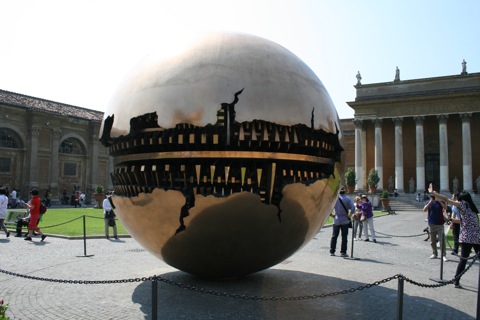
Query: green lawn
69, 222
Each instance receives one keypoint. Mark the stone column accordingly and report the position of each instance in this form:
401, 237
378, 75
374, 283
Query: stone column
378, 151
33, 153
399, 154
93, 165
110, 171
358, 153
467, 152
420, 153
443, 140
56, 133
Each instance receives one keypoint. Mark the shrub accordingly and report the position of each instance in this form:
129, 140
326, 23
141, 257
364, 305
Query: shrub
99, 189
385, 194
350, 177
373, 178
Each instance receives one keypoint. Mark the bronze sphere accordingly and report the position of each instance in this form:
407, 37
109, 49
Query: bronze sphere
226, 155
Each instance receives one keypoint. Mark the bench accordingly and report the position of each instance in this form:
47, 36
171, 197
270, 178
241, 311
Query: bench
389, 210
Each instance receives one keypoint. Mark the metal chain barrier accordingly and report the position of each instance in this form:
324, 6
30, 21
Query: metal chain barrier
75, 281
155, 279
397, 236
61, 224
94, 217
203, 290
273, 298
242, 296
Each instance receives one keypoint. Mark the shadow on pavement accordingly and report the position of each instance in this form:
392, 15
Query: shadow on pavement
377, 302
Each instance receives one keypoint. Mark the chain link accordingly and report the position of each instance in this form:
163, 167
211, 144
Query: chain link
274, 298
95, 217
397, 236
61, 224
70, 221
75, 281
242, 296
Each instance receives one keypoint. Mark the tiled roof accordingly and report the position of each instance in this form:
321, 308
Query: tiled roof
42, 105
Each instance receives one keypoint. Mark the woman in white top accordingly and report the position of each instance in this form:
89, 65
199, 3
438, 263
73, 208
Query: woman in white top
3, 210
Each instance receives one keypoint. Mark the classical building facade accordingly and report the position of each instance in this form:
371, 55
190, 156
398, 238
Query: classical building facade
417, 132
50, 146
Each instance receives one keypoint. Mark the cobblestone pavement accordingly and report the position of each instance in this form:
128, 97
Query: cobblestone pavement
311, 271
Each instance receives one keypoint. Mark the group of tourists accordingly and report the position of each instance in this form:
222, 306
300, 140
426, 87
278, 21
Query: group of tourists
361, 212
33, 207
459, 210
465, 216
34, 213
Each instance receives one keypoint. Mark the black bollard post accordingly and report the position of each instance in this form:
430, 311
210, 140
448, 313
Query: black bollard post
351, 246
353, 237
478, 291
154, 298
400, 298
442, 247
85, 239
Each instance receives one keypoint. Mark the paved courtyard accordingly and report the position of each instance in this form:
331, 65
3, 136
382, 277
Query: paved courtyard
311, 271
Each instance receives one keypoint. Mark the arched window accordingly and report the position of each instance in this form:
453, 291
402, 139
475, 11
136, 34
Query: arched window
9, 139
71, 146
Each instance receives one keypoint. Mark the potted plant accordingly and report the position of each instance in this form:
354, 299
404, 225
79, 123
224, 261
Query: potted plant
384, 198
373, 180
350, 180
99, 196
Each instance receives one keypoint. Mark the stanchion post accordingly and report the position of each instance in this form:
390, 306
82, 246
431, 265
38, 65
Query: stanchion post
442, 247
84, 235
478, 291
351, 246
154, 298
85, 239
400, 298
353, 237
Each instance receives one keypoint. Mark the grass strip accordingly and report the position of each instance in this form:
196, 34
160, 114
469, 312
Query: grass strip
69, 222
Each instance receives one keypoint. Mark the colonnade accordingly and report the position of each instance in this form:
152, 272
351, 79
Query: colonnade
361, 149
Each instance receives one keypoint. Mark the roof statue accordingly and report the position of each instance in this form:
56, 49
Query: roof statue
464, 67
359, 78
397, 74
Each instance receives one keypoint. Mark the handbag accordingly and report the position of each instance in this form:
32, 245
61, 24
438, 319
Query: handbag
111, 222
363, 218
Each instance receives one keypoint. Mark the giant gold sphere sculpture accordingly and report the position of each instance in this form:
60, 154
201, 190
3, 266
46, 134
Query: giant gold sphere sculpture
226, 155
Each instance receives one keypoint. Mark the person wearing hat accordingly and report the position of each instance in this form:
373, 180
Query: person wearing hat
341, 223
366, 207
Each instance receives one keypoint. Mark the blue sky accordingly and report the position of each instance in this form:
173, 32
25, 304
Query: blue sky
77, 52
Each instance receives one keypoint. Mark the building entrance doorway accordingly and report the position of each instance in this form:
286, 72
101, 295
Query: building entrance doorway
432, 170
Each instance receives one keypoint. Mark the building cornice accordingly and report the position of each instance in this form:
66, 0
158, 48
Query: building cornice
42, 105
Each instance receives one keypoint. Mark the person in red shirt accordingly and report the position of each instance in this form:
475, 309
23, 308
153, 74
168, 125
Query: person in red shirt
34, 207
